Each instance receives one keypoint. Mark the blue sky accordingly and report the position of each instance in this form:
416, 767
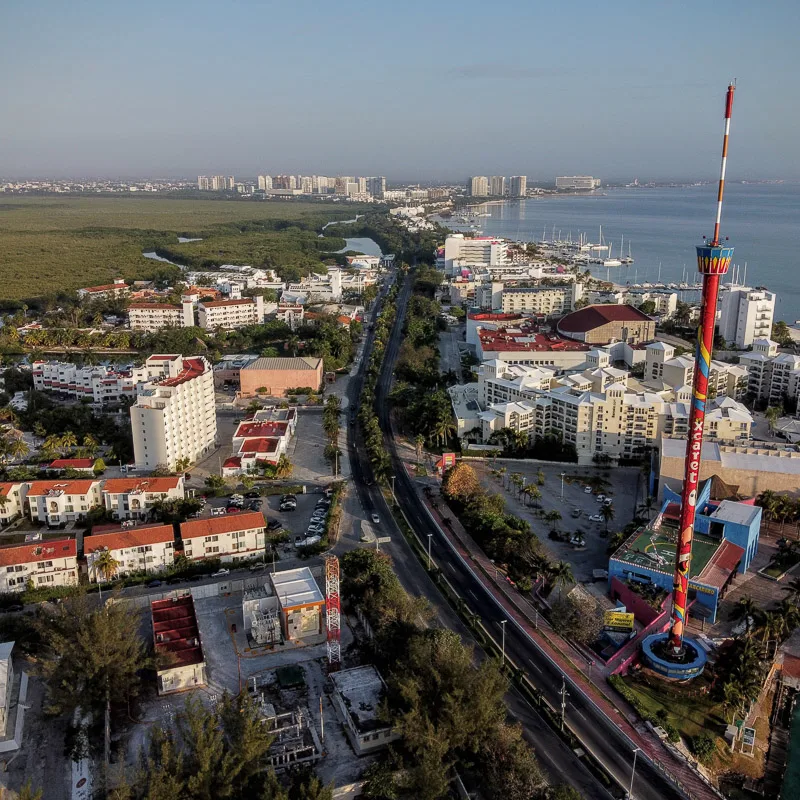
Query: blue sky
412, 90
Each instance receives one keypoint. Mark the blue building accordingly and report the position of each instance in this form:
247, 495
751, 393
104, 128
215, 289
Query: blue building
725, 542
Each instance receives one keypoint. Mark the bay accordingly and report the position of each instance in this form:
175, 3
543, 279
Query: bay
663, 225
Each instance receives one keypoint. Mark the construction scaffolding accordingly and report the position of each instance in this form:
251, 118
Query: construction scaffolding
266, 627
333, 613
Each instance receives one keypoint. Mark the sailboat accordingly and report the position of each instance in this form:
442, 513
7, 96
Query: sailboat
623, 258
600, 246
611, 261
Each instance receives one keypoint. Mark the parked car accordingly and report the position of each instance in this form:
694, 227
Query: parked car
218, 511
252, 493
324, 503
287, 507
375, 518
608, 501
233, 509
315, 529
154, 584
596, 518
274, 524
257, 567
600, 498
587, 489
288, 497
254, 505
220, 573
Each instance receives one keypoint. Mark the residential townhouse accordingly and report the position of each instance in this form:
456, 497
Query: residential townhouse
106, 292
174, 417
140, 549
134, 498
152, 317
231, 538
58, 502
47, 563
231, 314
12, 498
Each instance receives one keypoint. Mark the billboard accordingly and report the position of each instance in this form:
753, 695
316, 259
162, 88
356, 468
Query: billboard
618, 621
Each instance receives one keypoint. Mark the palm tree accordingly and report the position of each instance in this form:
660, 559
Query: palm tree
789, 617
773, 414
540, 477
607, 513
794, 591
747, 609
105, 566
532, 492
560, 575
419, 443
553, 517
67, 442
90, 445
17, 448
733, 697
51, 446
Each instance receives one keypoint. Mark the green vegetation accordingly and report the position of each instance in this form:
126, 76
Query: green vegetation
781, 334
447, 711
84, 241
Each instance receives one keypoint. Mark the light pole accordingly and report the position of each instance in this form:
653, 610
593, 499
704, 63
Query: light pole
564, 695
562, 484
394, 499
503, 648
633, 772
430, 536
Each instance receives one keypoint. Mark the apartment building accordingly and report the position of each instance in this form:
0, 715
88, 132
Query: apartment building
11, 501
771, 375
231, 314
478, 250
46, 563
478, 186
152, 317
261, 439
174, 416
529, 347
230, 538
518, 186
666, 302
547, 301
140, 549
106, 292
55, 503
616, 423
134, 498
497, 186
745, 314
321, 288
100, 384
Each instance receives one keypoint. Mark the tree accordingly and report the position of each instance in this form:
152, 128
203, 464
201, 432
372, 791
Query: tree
648, 307
67, 442
607, 513
540, 477
419, 444
748, 610
560, 575
461, 482
773, 414
794, 591
510, 771
553, 517
90, 445
380, 783
575, 619
99, 467
92, 655
104, 565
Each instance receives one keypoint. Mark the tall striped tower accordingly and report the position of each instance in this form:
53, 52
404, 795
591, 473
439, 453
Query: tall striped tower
713, 260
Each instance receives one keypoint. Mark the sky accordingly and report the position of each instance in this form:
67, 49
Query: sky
414, 90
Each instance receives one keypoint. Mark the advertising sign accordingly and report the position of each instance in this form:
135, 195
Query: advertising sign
617, 621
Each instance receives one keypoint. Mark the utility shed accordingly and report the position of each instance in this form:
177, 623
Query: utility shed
357, 693
179, 652
301, 603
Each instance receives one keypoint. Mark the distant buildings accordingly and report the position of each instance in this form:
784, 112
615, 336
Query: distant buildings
478, 186
174, 417
577, 182
231, 314
771, 376
134, 498
261, 439
216, 183
745, 315
497, 186
481, 250
117, 289
548, 301
518, 186
272, 377
152, 317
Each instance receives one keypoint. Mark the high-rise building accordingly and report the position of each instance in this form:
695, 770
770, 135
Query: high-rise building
351, 188
306, 185
497, 186
376, 186
230, 182
745, 314
265, 182
577, 182
362, 185
320, 184
478, 186
174, 417
203, 183
519, 186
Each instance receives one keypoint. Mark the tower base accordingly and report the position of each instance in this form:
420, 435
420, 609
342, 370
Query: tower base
657, 657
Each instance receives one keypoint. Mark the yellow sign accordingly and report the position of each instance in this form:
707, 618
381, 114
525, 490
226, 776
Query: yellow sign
618, 620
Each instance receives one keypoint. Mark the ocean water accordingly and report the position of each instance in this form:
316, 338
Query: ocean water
762, 222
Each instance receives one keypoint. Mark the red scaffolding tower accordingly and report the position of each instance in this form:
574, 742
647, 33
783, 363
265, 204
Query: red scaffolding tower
333, 613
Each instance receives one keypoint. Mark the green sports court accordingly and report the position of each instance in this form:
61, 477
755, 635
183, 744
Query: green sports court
656, 550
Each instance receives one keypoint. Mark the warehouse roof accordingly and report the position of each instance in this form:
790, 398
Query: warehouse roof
298, 362
591, 317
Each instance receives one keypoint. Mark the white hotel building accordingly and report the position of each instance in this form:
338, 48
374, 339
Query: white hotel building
231, 314
230, 538
152, 317
142, 549
174, 417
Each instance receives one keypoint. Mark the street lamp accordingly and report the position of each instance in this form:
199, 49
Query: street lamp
503, 649
633, 772
562, 484
394, 499
430, 536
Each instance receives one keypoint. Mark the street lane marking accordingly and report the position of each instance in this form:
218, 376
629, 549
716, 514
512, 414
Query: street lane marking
472, 595
534, 665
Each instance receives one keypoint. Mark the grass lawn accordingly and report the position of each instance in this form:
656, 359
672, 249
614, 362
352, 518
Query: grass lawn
693, 714
50, 244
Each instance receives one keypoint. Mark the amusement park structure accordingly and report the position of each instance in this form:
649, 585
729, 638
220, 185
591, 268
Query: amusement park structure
674, 655
333, 613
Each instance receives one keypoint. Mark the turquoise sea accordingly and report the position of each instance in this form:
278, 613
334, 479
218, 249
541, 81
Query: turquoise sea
762, 222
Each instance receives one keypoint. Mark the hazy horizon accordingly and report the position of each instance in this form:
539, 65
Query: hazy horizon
413, 92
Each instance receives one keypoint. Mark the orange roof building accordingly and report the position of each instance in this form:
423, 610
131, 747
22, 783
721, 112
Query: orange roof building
234, 537
43, 563
176, 639
137, 549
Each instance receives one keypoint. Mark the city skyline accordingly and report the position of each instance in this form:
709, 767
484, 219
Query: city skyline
179, 91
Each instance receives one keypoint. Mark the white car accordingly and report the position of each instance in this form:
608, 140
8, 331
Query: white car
587, 489
596, 518
220, 572
601, 498
375, 518
608, 501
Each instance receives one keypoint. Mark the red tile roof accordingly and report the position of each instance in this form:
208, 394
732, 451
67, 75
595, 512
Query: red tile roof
5, 488
591, 317
154, 305
126, 485
105, 288
722, 563
37, 551
503, 340
227, 524
260, 444
74, 463
250, 428
41, 488
175, 630
230, 463
128, 537
192, 368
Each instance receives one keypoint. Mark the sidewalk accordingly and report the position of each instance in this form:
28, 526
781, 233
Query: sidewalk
568, 659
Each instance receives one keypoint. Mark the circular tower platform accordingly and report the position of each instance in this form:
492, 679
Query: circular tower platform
655, 651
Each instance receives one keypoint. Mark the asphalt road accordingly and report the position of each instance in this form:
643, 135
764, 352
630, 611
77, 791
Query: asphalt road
557, 760
595, 732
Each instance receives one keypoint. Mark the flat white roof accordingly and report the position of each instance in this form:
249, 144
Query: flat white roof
296, 587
